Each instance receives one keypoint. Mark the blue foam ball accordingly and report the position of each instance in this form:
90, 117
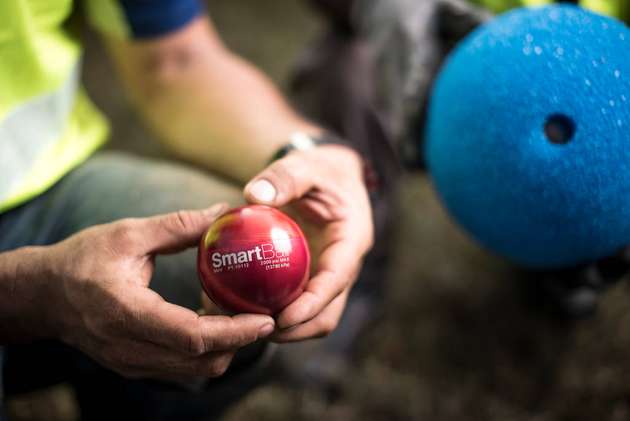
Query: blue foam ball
539, 203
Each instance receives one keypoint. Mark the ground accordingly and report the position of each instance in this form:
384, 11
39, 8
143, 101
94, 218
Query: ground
459, 340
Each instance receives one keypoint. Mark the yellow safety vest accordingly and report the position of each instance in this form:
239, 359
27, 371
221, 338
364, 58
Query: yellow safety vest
47, 123
615, 8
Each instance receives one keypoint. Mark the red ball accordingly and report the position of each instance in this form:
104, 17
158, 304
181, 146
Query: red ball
253, 259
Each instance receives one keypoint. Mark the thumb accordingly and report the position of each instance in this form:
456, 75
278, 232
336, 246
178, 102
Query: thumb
179, 230
283, 181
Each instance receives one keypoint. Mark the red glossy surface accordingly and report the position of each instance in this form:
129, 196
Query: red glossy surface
253, 259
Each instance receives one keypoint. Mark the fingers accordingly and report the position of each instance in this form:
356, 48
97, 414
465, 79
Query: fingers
209, 308
134, 359
210, 365
177, 231
283, 181
314, 211
147, 337
182, 330
225, 332
322, 325
337, 269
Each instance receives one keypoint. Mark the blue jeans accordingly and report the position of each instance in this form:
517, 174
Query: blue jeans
110, 186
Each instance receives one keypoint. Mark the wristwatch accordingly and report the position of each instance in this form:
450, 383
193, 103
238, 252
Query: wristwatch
302, 142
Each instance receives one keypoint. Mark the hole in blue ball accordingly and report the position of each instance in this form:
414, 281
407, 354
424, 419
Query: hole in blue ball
559, 129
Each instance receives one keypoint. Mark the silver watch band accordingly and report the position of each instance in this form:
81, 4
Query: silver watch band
302, 142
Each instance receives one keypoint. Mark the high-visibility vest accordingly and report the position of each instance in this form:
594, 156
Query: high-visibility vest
615, 8
47, 123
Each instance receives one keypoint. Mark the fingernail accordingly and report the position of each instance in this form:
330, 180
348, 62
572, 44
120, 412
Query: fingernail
215, 210
266, 330
263, 191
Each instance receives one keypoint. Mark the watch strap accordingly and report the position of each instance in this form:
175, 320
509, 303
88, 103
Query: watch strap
302, 142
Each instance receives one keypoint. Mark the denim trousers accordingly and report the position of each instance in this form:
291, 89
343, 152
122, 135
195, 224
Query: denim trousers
107, 187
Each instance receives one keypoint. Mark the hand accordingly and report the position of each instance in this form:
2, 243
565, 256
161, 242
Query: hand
325, 192
104, 307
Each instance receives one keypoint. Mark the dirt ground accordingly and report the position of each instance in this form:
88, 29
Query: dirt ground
459, 339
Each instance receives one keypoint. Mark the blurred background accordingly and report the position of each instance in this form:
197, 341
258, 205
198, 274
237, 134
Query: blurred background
460, 338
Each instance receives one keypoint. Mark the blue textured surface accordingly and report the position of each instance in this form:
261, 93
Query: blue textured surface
542, 205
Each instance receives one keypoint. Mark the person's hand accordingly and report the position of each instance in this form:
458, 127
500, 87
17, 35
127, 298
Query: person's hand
103, 306
325, 192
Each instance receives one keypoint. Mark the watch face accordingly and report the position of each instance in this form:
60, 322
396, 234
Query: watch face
302, 141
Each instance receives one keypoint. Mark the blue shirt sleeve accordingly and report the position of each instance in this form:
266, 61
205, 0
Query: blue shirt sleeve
153, 18
139, 19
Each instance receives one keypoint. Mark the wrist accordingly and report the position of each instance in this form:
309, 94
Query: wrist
305, 141
348, 156
25, 295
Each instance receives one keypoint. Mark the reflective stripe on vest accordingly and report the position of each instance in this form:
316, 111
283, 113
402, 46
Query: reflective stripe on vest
48, 125
30, 130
